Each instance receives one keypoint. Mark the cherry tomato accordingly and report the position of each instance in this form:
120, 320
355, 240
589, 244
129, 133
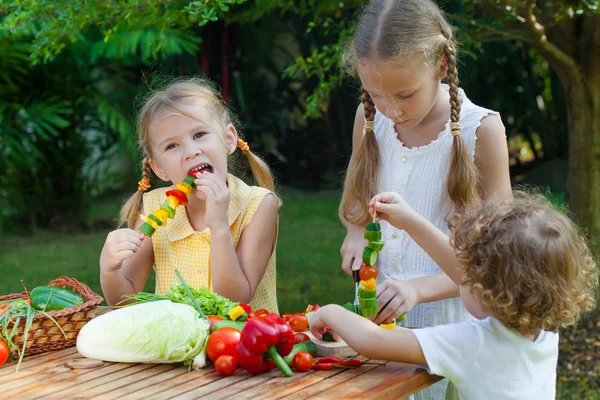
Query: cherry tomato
300, 337
367, 272
302, 361
226, 365
298, 322
261, 312
213, 319
287, 317
223, 342
3, 352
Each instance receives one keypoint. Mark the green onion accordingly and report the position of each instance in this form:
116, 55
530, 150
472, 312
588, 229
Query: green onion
14, 313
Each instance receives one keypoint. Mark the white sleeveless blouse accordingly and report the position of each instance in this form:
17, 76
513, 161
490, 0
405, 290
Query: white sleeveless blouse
419, 175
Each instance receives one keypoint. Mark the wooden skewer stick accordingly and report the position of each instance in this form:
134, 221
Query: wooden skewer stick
374, 211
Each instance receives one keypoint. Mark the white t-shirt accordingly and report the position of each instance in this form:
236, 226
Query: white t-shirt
486, 360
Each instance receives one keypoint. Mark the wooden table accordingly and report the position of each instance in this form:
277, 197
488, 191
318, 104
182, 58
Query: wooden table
46, 376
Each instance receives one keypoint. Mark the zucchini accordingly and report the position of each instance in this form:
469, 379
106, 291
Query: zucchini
54, 298
239, 325
376, 246
190, 181
307, 346
369, 256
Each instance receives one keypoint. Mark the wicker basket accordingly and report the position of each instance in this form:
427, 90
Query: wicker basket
44, 335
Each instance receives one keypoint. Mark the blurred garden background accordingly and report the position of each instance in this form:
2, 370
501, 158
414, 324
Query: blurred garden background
71, 73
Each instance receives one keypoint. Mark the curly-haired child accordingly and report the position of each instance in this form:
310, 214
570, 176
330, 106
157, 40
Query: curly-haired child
524, 271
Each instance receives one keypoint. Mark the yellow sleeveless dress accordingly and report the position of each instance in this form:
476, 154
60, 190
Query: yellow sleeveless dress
178, 246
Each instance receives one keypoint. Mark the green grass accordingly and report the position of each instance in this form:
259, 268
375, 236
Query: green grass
308, 258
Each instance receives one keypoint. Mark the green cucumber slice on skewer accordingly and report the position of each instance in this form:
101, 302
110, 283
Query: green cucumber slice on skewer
377, 246
369, 256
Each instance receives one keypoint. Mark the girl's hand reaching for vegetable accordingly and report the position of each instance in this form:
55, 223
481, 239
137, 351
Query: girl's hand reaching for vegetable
324, 317
119, 246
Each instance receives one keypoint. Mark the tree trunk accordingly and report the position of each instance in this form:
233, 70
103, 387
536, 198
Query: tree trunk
583, 184
580, 78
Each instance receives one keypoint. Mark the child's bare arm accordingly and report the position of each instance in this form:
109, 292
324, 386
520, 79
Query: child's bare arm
237, 272
392, 208
367, 338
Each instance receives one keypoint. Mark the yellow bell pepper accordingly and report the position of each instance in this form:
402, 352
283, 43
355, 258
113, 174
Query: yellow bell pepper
173, 202
370, 284
162, 215
391, 326
184, 187
235, 312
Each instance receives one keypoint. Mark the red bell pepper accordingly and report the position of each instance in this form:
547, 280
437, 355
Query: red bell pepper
179, 195
264, 338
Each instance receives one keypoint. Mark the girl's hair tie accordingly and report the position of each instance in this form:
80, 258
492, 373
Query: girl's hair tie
243, 146
455, 128
144, 184
369, 125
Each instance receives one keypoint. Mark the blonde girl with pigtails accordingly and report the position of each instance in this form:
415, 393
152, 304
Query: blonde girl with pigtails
224, 237
423, 139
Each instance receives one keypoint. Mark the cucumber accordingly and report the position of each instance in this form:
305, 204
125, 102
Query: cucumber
165, 206
147, 229
369, 256
307, 346
368, 303
54, 298
366, 293
369, 312
350, 307
190, 181
238, 325
155, 219
328, 337
373, 226
376, 246
373, 236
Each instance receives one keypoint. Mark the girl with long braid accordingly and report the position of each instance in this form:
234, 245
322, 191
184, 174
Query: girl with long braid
222, 234
420, 138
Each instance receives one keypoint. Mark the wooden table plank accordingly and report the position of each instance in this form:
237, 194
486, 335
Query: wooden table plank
392, 381
176, 386
46, 376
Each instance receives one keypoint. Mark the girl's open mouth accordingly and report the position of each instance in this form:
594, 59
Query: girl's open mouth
201, 169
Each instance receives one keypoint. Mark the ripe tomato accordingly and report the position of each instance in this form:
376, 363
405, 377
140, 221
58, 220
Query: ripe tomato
367, 272
300, 337
226, 365
213, 319
298, 322
302, 361
3, 352
223, 342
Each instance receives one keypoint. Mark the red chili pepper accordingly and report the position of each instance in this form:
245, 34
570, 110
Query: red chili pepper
349, 363
265, 336
322, 366
322, 360
179, 195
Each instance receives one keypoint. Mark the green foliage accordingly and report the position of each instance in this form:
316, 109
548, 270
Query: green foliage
57, 24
